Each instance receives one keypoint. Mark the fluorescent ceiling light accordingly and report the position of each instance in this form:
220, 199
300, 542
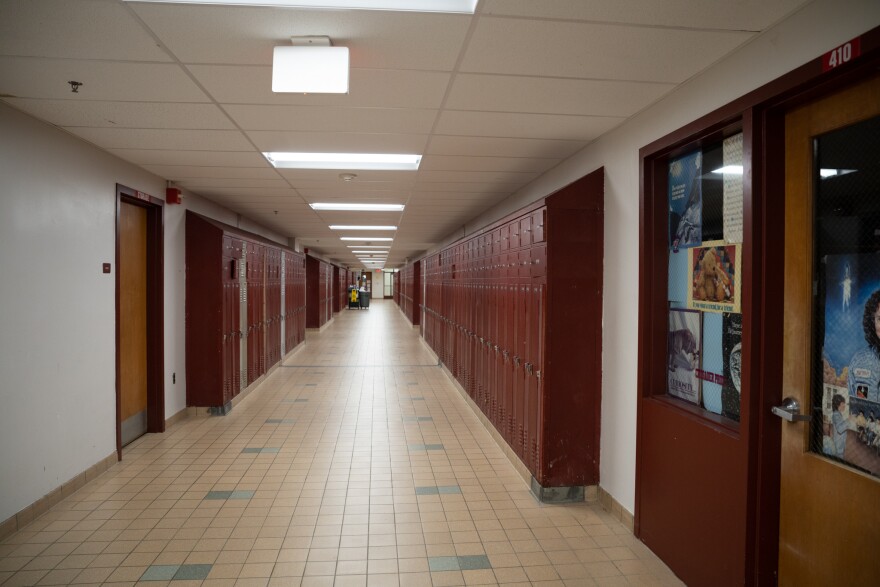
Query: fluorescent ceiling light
360, 207
310, 70
832, 172
456, 6
360, 227
730, 170
366, 238
368, 247
370, 252
373, 161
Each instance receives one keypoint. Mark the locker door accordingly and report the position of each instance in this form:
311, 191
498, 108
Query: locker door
505, 237
514, 234
536, 380
525, 230
538, 219
538, 264
522, 319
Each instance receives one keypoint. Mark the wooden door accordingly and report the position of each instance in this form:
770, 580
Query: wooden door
830, 474
133, 321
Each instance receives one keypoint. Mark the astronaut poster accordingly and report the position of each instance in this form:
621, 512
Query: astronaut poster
685, 201
683, 355
851, 360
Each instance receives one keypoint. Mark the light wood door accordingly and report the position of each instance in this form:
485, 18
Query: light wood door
133, 321
830, 482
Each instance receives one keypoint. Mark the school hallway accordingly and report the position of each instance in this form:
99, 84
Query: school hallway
356, 462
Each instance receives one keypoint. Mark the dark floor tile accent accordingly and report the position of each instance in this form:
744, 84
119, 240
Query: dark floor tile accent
474, 562
192, 573
218, 495
298, 401
242, 494
418, 419
443, 563
280, 421
160, 572
258, 450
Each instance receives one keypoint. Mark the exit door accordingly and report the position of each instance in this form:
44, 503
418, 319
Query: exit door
830, 472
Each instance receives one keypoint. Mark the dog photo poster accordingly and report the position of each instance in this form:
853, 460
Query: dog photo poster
683, 355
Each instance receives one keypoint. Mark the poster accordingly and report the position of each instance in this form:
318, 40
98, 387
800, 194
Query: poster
851, 360
685, 201
733, 189
683, 355
732, 353
714, 271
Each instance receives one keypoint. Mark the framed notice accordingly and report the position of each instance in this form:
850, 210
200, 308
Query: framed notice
683, 355
685, 201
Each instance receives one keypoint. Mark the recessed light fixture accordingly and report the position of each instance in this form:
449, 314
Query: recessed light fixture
368, 246
359, 207
360, 227
372, 161
454, 6
730, 170
381, 239
370, 252
825, 173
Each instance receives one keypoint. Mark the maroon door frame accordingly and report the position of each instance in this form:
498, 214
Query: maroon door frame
760, 115
155, 310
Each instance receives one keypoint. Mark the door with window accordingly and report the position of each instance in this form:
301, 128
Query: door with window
830, 475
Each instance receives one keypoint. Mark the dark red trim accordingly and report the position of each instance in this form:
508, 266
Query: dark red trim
155, 310
760, 113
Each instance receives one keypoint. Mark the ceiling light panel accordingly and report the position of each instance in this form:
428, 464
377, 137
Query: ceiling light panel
368, 247
359, 207
310, 70
379, 161
360, 227
453, 6
381, 239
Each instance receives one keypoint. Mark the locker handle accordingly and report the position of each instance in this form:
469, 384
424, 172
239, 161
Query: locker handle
517, 361
528, 368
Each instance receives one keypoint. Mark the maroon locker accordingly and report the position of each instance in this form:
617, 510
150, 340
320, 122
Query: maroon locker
514, 234
216, 262
525, 231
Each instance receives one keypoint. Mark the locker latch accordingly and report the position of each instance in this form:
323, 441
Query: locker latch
528, 368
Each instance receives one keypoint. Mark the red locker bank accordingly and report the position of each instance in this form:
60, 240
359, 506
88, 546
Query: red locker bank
515, 314
240, 321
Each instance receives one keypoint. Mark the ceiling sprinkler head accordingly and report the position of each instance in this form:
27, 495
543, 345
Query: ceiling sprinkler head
74, 86
347, 176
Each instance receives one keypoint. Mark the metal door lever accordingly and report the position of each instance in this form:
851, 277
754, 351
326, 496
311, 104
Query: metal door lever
790, 410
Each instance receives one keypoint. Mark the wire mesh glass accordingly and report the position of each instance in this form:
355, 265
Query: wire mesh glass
846, 388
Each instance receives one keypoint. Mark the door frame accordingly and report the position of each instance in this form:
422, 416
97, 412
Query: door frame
155, 310
761, 116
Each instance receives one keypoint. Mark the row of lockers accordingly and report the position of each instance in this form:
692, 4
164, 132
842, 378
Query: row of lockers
408, 289
515, 312
491, 339
245, 308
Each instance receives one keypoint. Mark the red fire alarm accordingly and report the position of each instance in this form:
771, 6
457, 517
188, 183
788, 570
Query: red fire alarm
172, 195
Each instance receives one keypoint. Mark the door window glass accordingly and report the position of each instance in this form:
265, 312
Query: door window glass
846, 390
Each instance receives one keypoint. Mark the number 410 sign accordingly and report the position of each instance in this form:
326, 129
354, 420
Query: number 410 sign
841, 55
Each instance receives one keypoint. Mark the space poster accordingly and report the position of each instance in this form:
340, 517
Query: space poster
851, 360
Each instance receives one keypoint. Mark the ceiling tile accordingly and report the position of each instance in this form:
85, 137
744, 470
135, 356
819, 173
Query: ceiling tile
594, 51
500, 177
552, 96
368, 88
85, 29
194, 158
125, 114
25, 77
458, 163
742, 15
189, 172
526, 126
131, 138
229, 183
314, 119
535, 148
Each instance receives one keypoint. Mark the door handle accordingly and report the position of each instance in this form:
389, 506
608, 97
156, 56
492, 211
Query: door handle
790, 410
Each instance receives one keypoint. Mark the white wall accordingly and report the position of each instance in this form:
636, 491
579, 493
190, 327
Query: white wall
817, 28
57, 308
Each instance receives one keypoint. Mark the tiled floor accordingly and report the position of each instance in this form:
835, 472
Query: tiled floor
356, 463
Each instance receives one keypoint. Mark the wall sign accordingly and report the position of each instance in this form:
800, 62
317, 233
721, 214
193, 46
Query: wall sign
841, 55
